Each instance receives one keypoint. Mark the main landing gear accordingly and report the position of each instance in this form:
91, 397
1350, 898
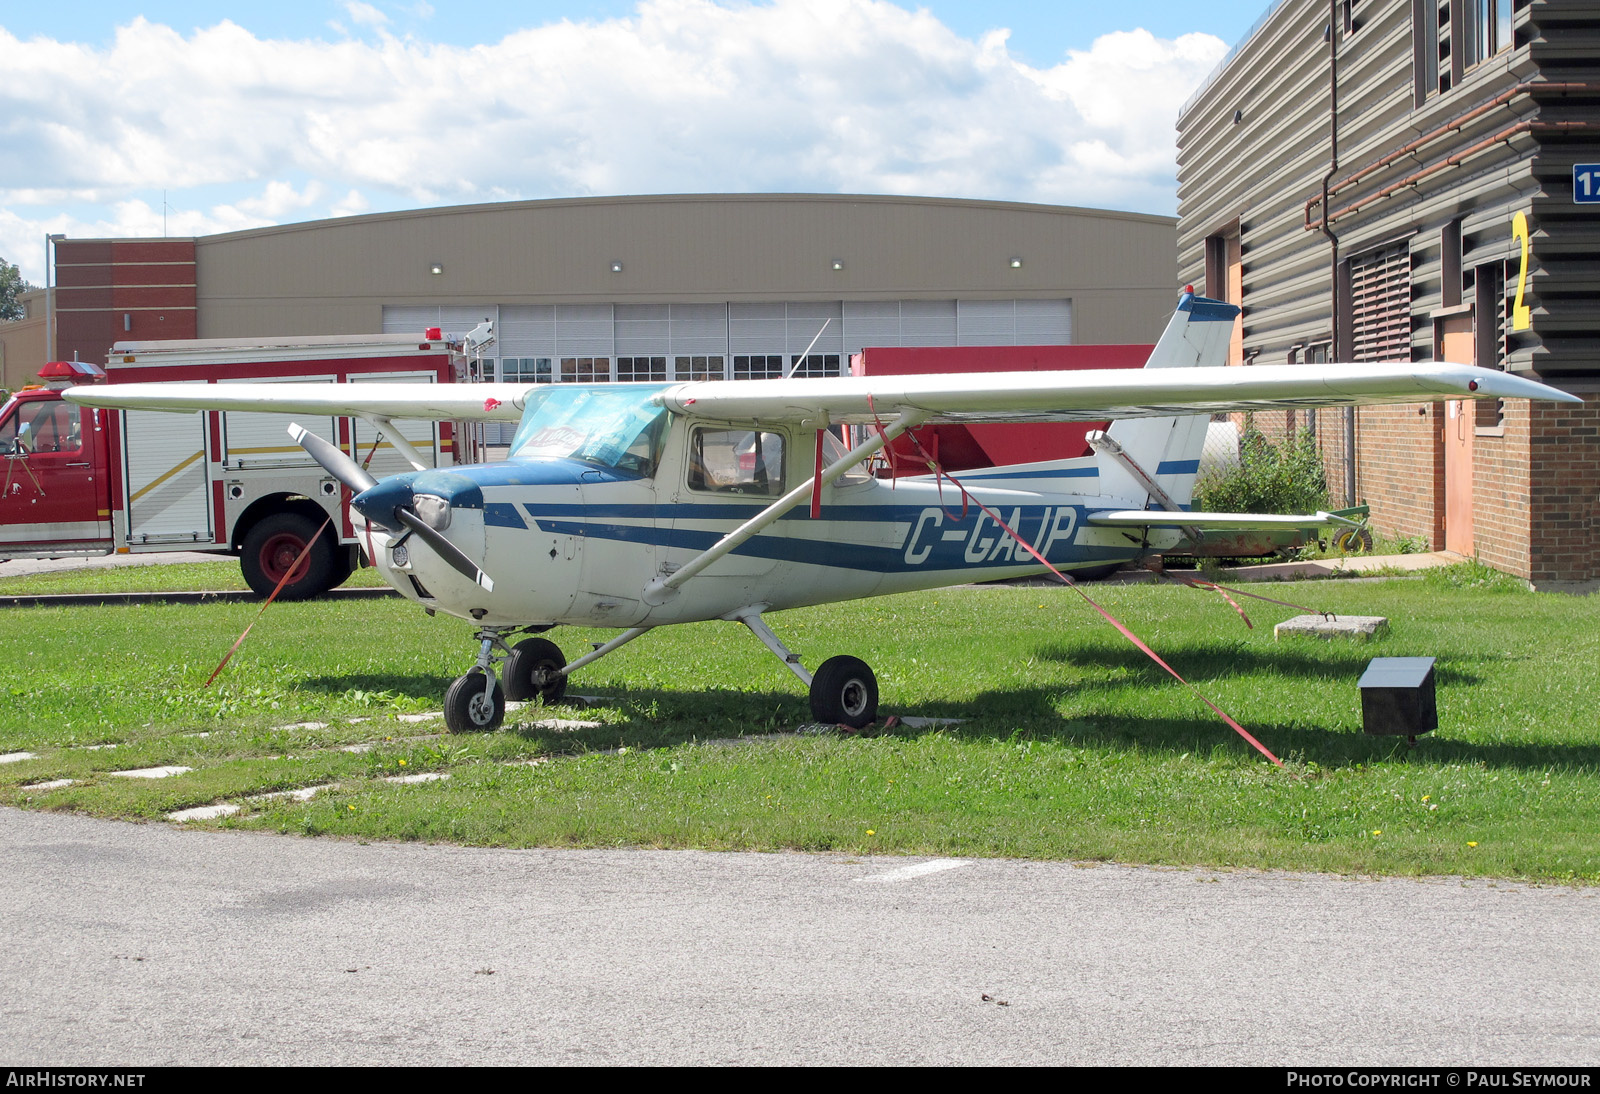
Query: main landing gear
843, 691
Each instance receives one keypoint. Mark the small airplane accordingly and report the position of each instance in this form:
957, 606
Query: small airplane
632, 506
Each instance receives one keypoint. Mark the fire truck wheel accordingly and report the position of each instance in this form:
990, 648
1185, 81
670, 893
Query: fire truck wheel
270, 549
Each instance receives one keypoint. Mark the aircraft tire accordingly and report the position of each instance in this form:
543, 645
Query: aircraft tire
844, 692
530, 671
270, 547
465, 710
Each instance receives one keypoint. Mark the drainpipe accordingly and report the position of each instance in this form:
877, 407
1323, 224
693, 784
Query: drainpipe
1333, 240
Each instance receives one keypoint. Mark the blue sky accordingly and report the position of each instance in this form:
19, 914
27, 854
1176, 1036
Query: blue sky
191, 118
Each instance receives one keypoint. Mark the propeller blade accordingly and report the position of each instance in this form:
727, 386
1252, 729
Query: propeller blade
333, 461
444, 548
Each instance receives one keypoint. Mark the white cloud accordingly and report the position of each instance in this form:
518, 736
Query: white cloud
365, 15
682, 96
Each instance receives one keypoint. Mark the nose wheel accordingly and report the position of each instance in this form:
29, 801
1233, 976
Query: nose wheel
474, 703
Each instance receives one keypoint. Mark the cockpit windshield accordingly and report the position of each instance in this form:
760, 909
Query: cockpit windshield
607, 426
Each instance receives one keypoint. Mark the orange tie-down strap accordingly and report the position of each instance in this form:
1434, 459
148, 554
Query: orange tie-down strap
1109, 618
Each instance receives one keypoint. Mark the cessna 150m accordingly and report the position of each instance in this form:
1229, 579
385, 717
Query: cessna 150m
632, 506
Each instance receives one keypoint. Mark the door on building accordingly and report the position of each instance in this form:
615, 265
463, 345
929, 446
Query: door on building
1455, 343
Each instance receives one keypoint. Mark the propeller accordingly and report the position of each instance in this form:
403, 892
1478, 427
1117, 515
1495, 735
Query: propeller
366, 488
333, 461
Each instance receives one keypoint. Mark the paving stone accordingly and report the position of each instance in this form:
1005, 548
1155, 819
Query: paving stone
421, 777
53, 784
419, 717
1362, 628
151, 772
204, 812
97, 748
299, 725
17, 757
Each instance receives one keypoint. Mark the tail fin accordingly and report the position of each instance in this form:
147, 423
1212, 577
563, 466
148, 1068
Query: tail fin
1168, 449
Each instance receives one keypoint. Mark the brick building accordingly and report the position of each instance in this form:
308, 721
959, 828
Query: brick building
1411, 180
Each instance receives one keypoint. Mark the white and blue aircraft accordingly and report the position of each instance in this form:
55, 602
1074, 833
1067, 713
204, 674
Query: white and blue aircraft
633, 506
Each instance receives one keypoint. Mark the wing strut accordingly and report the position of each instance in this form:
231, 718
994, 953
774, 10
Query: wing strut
663, 589
392, 435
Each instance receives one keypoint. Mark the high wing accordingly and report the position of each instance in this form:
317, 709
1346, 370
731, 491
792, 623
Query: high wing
1085, 395
429, 402
1095, 395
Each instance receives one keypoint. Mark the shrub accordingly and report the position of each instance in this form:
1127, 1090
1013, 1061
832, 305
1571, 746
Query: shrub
1269, 478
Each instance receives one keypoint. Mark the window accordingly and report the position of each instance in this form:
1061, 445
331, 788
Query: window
815, 364
526, 370
42, 427
1485, 29
699, 368
736, 461
586, 370
641, 368
607, 427
767, 367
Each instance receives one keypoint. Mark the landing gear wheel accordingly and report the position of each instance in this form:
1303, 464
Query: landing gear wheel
533, 671
1352, 541
467, 711
844, 692
269, 551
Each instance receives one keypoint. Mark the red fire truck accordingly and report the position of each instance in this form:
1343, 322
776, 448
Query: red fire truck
78, 482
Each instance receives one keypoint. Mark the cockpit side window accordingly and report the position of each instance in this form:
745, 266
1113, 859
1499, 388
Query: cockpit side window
736, 461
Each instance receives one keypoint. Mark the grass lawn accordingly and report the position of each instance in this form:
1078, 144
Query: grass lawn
1072, 746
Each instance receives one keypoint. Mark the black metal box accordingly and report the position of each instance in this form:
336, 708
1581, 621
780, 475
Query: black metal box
1397, 696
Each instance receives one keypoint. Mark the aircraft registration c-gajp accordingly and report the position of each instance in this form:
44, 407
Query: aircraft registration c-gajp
634, 506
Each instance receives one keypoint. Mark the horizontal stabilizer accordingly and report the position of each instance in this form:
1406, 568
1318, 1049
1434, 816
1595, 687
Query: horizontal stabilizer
1157, 518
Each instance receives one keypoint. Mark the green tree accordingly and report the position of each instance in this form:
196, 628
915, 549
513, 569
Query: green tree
11, 286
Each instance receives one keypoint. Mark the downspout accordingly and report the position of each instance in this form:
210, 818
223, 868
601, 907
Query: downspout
1333, 240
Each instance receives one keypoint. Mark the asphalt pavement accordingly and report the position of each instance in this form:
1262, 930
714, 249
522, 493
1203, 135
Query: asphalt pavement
144, 944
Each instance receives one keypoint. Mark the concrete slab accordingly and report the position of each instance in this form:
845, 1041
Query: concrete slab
564, 724
17, 757
204, 812
1362, 628
97, 748
428, 717
53, 784
420, 777
299, 725
151, 772
304, 793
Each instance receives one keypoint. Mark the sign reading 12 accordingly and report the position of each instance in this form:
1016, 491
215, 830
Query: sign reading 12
1521, 314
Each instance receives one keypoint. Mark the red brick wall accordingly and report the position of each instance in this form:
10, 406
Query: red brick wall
1501, 516
1399, 467
151, 282
1564, 473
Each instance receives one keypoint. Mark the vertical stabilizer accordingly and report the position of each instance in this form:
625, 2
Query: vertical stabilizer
1168, 449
